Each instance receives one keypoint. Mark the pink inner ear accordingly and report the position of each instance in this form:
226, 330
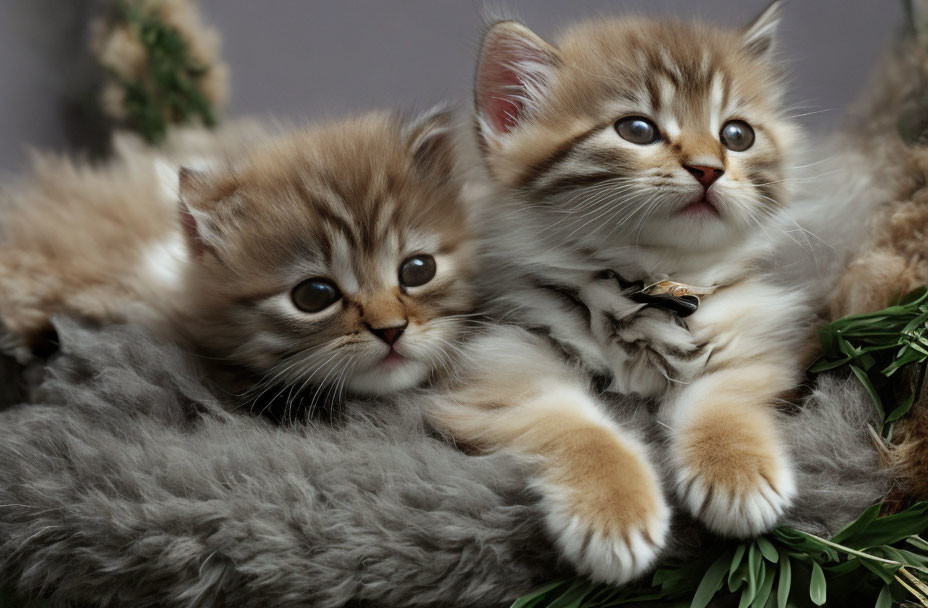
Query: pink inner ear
500, 97
188, 224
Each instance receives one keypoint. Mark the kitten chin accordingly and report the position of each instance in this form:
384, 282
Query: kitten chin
389, 376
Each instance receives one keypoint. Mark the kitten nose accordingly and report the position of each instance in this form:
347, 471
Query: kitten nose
389, 334
704, 175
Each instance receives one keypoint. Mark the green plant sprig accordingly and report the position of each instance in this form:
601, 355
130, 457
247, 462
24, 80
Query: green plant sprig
168, 92
877, 560
875, 346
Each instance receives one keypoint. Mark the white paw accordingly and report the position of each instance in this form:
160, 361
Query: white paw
745, 502
608, 543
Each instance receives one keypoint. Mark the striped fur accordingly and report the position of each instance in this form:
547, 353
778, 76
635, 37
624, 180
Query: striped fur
577, 214
348, 202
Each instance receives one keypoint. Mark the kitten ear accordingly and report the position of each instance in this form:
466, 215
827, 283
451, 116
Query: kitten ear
513, 73
430, 139
760, 35
196, 223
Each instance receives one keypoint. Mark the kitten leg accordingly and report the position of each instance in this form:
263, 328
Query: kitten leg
731, 466
732, 471
601, 496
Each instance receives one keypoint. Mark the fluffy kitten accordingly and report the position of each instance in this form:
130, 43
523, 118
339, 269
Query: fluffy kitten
635, 150
337, 257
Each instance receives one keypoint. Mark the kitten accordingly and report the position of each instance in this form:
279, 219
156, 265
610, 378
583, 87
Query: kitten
630, 152
336, 260
338, 257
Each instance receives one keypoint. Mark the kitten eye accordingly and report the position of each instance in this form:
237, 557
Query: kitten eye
638, 130
737, 135
417, 270
315, 295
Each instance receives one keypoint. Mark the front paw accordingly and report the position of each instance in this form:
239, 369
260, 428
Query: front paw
738, 483
610, 522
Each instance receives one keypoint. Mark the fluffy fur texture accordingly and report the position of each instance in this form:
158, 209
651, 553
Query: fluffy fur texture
909, 452
345, 205
890, 126
581, 209
74, 237
348, 204
127, 483
831, 438
864, 214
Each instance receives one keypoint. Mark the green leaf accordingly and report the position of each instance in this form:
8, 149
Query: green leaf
868, 385
711, 582
891, 529
767, 549
786, 578
885, 575
530, 599
754, 565
739, 576
746, 598
859, 524
736, 560
750, 595
885, 599
916, 296
824, 364
907, 355
840, 569
763, 594
817, 585
902, 409
918, 542
574, 596
917, 561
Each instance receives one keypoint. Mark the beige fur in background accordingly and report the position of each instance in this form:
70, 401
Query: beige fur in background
892, 131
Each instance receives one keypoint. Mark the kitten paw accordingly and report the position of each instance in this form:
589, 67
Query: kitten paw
611, 529
737, 493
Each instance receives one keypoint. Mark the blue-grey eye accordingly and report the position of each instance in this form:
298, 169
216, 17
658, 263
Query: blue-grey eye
737, 135
417, 270
638, 130
315, 295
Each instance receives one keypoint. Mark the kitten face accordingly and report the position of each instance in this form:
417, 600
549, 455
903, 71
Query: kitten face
636, 132
337, 258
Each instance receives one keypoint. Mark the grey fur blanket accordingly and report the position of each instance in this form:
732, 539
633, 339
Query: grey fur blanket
125, 482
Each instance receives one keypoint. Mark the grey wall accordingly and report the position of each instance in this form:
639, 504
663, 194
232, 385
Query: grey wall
310, 58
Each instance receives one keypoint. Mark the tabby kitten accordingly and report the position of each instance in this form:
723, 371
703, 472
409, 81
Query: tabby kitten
635, 151
337, 257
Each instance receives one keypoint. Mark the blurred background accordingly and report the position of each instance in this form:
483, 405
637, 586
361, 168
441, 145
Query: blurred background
304, 59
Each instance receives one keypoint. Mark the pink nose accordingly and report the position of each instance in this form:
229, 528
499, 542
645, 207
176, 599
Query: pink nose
389, 334
704, 175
